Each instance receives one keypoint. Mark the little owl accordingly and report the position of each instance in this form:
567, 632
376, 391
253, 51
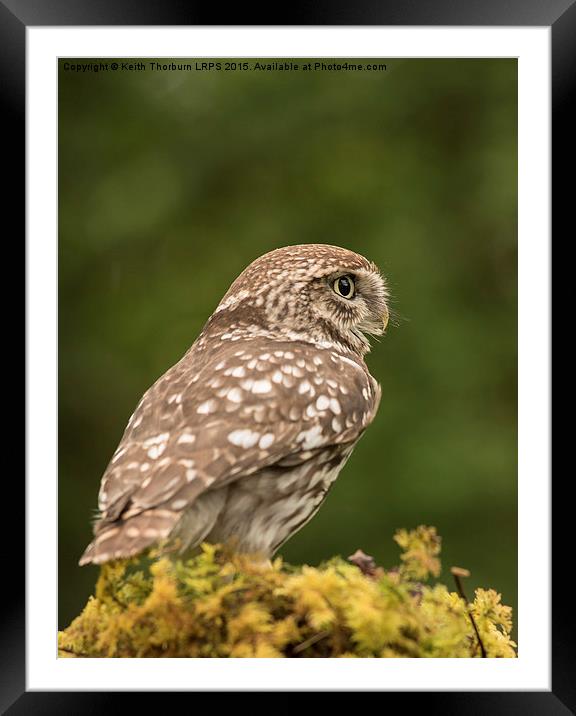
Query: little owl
240, 441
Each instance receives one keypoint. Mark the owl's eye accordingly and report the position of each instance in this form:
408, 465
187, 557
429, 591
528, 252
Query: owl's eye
344, 286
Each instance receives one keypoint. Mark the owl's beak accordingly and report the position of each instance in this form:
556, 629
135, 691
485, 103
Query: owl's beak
385, 318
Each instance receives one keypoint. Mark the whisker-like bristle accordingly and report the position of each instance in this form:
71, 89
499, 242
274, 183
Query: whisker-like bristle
396, 318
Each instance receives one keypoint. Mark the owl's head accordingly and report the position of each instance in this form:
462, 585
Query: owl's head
313, 292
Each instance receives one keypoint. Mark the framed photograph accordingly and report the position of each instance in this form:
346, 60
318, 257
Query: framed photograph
249, 246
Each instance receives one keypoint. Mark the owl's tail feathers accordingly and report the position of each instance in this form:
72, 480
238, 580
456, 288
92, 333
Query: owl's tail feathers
129, 535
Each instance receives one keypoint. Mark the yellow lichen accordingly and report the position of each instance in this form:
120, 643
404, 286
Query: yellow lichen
222, 605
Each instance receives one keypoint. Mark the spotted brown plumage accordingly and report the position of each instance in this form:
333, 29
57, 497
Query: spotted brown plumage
240, 441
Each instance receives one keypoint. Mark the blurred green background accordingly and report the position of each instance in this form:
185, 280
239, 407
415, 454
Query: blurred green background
170, 183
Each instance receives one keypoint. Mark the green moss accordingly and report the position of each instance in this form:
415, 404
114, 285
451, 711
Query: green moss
222, 605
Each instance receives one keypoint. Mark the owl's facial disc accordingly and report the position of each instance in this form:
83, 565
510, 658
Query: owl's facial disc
354, 302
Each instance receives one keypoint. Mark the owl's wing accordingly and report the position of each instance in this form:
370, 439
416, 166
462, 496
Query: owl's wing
248, 406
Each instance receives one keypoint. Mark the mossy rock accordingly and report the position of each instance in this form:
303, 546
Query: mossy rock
222, 605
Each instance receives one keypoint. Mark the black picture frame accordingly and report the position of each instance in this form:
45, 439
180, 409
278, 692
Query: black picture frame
15, 17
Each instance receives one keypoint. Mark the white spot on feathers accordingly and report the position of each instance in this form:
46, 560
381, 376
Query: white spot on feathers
243, 438
266, 440
186, 462
261, 386
156, 450
209, 406
311, 411
311, 438
235, 395
322, 402
156, 440
304, 387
